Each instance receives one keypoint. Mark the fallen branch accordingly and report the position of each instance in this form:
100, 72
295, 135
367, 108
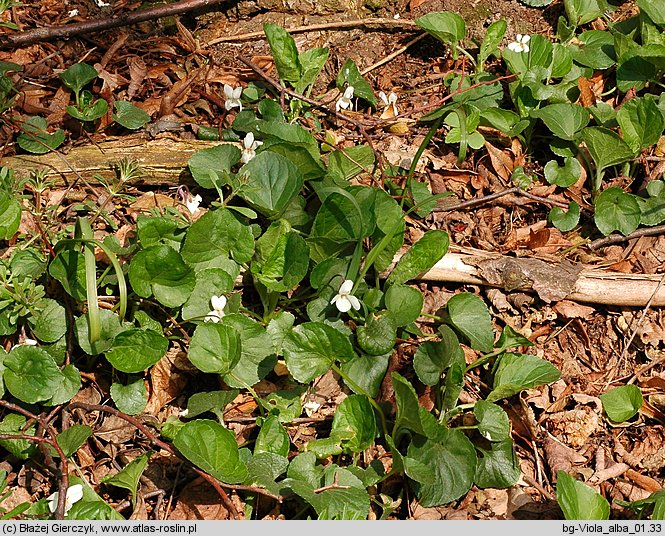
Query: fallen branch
551, 280
342, 25
162, 160
49, 33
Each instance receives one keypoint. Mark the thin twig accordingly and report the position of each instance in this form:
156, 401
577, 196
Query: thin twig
618, 239
63, 482
252, 489
343, 25
126, 19
641, 319
163, 445
496, 195
392, 56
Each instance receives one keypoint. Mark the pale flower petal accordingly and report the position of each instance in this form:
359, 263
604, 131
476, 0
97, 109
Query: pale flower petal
74, 495
520, 43
193, 203
343, 304
232, 97
215, 315
343, 300
345, 100
311, 407
250, 146
346, 287
218, 302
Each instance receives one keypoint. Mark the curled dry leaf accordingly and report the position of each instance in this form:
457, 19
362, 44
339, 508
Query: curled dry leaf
198, 500
502, 163
166, 383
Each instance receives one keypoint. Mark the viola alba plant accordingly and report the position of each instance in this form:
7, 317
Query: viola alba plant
249, 147
232, 97
74, 495
521, 43
344, 102
390, 103
218, 303
192, 203
344, 300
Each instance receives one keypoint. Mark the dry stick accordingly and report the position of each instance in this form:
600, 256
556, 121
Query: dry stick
344, 25
163, 445
491, 197
63, 483
392, 56
126, 19
279, 87
618, 239
641, 319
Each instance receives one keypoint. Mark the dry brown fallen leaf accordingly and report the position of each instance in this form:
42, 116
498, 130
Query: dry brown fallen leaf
198, 500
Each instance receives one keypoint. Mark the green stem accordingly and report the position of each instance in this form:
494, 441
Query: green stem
122, 283
95, 327
484, 359
468, 55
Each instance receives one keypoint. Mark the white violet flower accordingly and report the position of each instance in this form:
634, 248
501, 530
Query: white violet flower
345, 100
232, 97
249, 149
193, 202
344, 300
390, 102
73, 13
520, 44
74, 495
311, 407
218, 303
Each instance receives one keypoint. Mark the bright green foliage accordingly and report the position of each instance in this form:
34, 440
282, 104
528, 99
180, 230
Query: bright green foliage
130, 398
71, 439
213, 448
446, 26
128, 477
35, 137
134, 350
579, 501
622, 403
130, 116
617, 210
215, 348
516, 372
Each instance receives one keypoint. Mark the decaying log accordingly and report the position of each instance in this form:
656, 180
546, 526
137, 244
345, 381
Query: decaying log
163, 160
552, 281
